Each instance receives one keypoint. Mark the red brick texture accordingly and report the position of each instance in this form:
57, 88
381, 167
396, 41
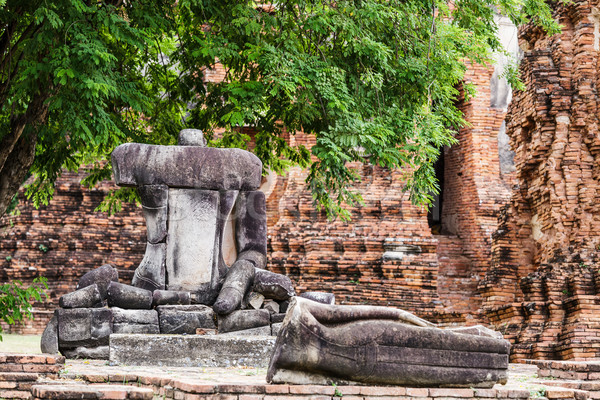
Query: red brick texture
542, 287
66, 239
19, 372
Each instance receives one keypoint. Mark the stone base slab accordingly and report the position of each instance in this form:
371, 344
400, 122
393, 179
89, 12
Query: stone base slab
191, 350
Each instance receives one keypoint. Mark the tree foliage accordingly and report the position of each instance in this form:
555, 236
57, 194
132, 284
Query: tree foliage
15, 300
373, 80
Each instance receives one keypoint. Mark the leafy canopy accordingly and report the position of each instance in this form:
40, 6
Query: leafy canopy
372, 80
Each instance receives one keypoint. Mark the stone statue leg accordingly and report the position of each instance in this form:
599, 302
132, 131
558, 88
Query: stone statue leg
318, 345
251, 242
150, 274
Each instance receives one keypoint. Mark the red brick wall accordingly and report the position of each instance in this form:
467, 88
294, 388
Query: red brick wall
542, 288
65, 240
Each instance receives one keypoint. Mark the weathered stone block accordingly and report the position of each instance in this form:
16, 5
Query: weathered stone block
101, 276
275, 328
191, 350
259, 331
49, 342
143, 317
170, 297
478, 330
243, 319
185, 319
95, 353
272, 285
279, 317
136, 328
191, 254
186, 167
83, 327
87, 297
254, 300
251, 227
191, 137
150, 274
271, 306
283, 306
154, 205
130, 297
319, 297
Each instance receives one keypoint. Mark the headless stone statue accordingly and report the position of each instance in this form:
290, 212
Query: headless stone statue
324, 344
205, 218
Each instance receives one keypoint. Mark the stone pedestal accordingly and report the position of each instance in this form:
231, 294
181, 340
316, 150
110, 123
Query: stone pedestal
191, 350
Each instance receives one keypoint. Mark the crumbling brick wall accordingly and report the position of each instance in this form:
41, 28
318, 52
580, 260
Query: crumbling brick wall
386, 255
66, 239
543, 284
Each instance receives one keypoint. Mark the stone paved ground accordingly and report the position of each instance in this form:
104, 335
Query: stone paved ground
522, 378
33, 377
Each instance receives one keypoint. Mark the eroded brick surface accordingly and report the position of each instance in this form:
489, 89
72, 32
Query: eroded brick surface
541, 289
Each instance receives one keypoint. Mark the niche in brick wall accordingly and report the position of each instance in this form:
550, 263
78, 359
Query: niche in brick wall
434, 215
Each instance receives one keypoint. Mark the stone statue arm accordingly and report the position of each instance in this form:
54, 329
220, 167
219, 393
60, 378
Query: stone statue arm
251, 228
339, 314
251, 244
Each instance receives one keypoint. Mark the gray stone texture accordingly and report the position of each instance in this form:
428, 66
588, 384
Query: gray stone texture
271, 306
150, 274
251, 227
243, 319
192, 262
237, 282
83, 327
254, 300
191, 137
226, 245
148, 317
260, 331
154, 205
275, 318
478, 330
87, 297
191, 350
101, 276
272, 285
275, 328
186, 167
185, 319
94, 353
129, 297
283, 305
49, 341
170, 297
135, 321
319, 297
136, 328
378, 345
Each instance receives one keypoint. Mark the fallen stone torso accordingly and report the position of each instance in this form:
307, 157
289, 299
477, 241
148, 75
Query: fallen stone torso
323, 344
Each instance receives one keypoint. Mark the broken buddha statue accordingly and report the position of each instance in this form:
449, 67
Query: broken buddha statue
205, 217
325, 344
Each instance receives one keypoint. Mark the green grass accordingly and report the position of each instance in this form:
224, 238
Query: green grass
20, 344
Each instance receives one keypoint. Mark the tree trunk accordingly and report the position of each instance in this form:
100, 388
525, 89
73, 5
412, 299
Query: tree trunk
16, 168
18, 155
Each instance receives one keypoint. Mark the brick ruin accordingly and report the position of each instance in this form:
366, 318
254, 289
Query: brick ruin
391, 253
542, 287
511, 244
